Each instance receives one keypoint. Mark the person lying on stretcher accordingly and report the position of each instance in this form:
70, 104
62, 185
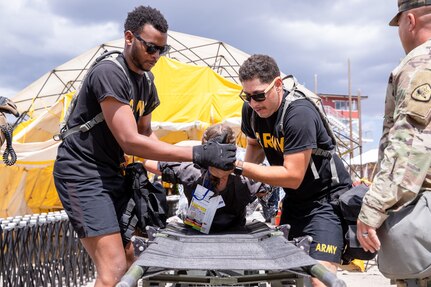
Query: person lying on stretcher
236, 191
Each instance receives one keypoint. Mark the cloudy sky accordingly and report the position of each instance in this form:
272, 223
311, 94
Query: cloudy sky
307, 38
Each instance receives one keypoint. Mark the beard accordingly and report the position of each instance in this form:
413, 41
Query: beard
136, 59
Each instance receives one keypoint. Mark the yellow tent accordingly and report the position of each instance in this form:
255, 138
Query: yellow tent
192, 97
191, 100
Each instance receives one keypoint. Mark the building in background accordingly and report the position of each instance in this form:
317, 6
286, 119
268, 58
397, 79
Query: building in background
344, 114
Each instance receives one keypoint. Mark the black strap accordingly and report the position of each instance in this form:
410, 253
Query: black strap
9, 155
120, 62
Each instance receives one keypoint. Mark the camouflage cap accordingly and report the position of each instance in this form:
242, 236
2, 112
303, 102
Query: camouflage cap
404, 5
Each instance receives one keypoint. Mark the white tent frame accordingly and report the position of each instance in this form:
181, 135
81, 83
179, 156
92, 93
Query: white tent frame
44, 92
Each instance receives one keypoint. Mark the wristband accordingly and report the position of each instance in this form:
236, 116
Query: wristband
238, 167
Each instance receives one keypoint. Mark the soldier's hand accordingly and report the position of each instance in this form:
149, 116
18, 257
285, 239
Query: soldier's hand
215, 153
8, 106
367, 237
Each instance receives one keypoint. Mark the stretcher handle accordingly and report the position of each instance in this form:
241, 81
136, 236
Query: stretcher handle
327, 277
130, 279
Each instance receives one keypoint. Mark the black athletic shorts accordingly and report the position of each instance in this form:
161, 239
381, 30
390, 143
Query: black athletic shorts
321, 222
93, 207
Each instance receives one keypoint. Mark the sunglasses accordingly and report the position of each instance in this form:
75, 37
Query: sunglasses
257, 97
151, 48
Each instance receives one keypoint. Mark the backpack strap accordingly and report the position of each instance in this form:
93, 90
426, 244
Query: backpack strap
334, 173
295, 94
66, 131
290, 97
335, 179
82, 128
99, 117
149, 81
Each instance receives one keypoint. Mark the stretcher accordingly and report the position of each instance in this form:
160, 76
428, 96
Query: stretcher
255, 254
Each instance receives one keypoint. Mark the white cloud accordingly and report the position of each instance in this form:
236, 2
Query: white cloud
8, 93
67, 37
330, 40
305, 37
29, 28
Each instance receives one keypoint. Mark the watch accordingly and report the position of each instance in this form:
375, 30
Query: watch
238, 167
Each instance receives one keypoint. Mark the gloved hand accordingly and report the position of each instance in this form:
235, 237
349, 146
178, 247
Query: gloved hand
215, 153
8, 106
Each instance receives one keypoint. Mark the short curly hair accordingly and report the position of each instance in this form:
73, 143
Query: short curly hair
142, 15
260, 67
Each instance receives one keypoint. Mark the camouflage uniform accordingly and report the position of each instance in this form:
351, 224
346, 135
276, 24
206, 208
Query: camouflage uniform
405, 147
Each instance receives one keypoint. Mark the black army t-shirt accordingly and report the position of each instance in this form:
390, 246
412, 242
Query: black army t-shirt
303, 130
238, 193
96, 153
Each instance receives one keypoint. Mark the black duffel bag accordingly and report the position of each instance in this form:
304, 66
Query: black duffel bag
350, 204
147, 206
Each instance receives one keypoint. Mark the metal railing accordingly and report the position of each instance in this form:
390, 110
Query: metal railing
42, 250
335, 117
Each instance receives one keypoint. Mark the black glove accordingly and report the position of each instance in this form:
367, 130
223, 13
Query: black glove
215, 153
8, 106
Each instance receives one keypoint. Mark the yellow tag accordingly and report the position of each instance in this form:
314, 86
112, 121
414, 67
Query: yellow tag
422, 93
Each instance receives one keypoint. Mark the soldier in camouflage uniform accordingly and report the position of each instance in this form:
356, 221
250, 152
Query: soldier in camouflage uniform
405, 147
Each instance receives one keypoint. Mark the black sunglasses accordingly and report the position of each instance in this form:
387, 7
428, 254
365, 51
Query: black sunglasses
257, 97
151, 48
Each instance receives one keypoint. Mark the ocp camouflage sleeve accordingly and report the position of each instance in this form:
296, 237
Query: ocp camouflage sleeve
405, 147
388, 121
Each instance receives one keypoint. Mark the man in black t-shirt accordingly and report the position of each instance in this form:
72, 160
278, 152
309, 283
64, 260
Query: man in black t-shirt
305, 177
87, 171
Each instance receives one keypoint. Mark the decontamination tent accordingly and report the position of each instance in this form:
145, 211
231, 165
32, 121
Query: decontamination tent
192, 96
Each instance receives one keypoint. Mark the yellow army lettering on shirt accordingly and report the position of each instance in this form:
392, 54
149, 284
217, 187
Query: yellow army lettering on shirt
267, 140
140, 107
326, 248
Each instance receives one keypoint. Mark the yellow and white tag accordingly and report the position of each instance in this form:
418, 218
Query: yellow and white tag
202, 209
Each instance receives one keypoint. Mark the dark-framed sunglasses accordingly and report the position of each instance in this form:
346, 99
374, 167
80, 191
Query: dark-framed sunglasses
257, 97
151, 48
